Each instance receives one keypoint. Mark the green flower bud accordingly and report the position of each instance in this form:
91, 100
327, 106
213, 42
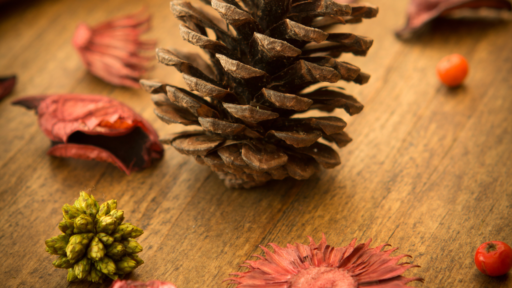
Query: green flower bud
88, 204
57, 245
96, 276
106, 265
118, 215
104, 210
70, 212
136, 258
82, 268
71, 275
126, 265
128, 230
77, 246
105, 239
106, 224
67, 226
96, 249
116, 250
131, 246
62, 262
83, 224
113, 204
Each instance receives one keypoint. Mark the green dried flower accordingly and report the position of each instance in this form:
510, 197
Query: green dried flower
95, 242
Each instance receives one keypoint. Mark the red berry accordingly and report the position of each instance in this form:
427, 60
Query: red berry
452, 70
494, 258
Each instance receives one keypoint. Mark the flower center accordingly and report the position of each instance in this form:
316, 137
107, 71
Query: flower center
323, 277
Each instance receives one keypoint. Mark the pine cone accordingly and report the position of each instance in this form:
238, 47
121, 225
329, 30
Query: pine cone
254, 81
95, 242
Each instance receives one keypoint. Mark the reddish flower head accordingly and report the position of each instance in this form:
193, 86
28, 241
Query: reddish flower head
111, 50
93, 127
136, 284
320, 265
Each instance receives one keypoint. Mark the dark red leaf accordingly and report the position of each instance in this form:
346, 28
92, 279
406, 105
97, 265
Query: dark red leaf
420, 12
6, 85
94, 127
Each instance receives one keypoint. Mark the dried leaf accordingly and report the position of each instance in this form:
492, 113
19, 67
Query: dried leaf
7, 85
111, 50
421, 12
93, 127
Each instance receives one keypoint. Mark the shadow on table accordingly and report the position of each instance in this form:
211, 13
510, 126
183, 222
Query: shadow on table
482, 280
13, 6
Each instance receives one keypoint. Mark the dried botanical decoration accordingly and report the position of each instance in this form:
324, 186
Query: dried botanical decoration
93, 127
421, 12
6, 85
320, 265
136, 284
252, 85
95, 242
112, 50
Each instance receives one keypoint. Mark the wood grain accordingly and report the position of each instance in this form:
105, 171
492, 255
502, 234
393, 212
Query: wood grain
429, 170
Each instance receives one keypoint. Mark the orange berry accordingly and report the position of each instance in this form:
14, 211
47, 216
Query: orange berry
452, 70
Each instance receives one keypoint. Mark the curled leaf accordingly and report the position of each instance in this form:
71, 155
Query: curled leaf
111, 50
421, 12
6, 85
93, 127
137, 284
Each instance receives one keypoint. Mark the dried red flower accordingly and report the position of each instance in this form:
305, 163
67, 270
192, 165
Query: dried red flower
111, 50
320, 265
420, 12
94, 127
6, 85
136, 284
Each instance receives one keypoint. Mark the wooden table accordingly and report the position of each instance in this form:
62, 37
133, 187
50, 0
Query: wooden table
429, 170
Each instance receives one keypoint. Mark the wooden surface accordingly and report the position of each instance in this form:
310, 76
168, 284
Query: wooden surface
429, 170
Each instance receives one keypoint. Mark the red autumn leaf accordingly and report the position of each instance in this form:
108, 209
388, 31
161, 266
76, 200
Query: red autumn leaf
94, 127
111, 50
421, 12
6, 85
136, 284
321, 265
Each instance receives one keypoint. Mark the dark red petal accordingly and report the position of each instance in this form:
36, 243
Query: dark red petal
87, 152
7, 85
421, 12
31, 102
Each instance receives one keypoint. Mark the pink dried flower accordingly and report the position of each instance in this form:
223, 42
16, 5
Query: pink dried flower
6, 85
136, 284
420, 12
320, 265
111, 50
93, 127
